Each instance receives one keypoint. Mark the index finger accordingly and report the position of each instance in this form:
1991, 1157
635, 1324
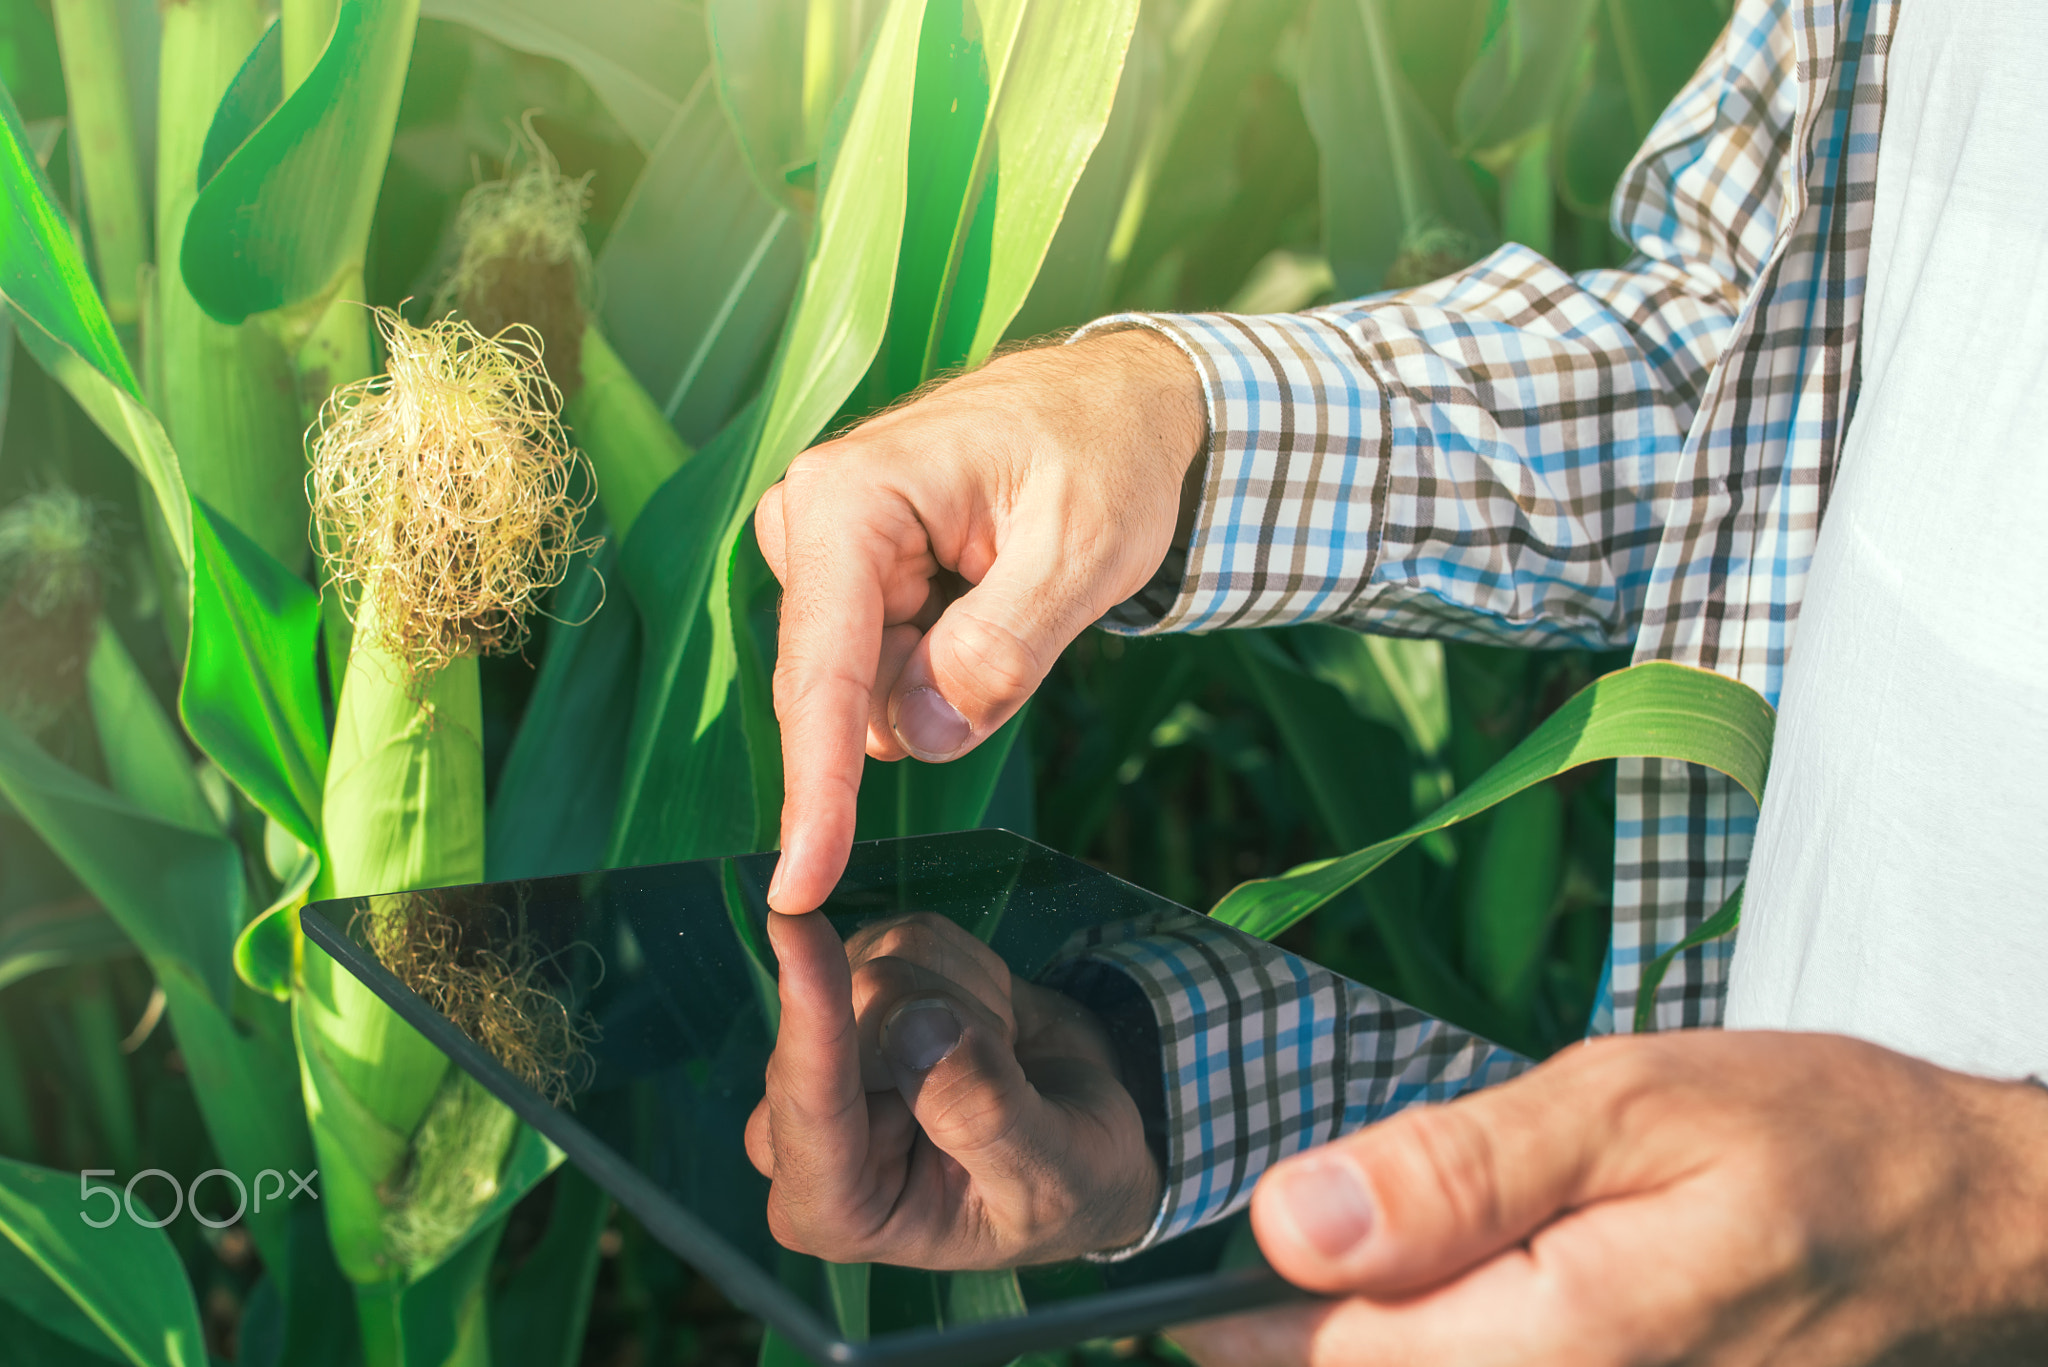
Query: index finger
817, 1107
828, 647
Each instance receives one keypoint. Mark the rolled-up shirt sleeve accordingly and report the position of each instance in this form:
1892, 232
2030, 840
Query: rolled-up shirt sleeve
1489, 456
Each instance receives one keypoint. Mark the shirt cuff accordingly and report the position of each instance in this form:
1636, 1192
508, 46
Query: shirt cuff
1288, 527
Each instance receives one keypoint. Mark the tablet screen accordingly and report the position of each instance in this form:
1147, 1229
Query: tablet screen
642, 1044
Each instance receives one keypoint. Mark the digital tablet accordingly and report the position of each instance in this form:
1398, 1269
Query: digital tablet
663, 977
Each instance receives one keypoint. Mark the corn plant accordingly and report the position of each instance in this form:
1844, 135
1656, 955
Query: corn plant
394, 382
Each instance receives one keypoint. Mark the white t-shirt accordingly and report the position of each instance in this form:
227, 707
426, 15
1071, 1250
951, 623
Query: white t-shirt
1899, 886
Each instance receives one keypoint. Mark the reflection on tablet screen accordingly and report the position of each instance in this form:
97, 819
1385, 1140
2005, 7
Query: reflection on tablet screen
628, 1016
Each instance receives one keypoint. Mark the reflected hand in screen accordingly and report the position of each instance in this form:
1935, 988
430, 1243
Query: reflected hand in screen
926, 1109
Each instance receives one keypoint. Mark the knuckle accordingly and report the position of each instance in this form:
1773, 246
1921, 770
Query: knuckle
981, 1120
879, 981
803, 677
1619, 1074
996, 663
810, 466
1454, 1156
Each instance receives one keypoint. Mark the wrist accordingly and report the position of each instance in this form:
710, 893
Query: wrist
1160, 385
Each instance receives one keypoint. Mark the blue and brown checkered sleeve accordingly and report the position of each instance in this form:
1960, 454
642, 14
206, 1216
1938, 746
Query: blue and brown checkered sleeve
1263, 1054
1490, 456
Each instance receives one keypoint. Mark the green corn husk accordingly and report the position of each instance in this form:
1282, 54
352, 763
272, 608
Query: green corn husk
441, 493
403, 809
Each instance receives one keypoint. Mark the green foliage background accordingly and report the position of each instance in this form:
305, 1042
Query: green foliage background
1254, 155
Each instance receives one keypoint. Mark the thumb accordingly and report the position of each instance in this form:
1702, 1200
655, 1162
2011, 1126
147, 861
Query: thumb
984, 657
1436, 1190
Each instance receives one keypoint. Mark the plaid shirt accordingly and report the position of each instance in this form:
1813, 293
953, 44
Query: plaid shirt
1519, 455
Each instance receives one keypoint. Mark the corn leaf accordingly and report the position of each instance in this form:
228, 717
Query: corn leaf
6, 366
552, 811
642, 57
26, 1291
1523, 72
176, 891
30, 65
688, 763
686, 790
178, 894
251, 693
31, 1342
1713, 928
146, 757
1396, 681
265, 948
539, 1314
126, 1280
948, 200
1073, 280
1054, 70
910, 797
978, 1297
698, 271
758, 52
65, 327
1375, 137
1512, 892
1135, 699
41, 270
1657, 709
631, 448
251, 97
1212, 55
287, 215
1357, 777
70, 933
844, 304
229, 1063
1356, 773
1643, 51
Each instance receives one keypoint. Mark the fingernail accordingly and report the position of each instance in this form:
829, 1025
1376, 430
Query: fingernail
929, 727
1327, 1202
919, 1034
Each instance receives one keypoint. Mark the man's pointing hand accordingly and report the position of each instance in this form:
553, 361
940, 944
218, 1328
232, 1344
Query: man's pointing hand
935, 561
